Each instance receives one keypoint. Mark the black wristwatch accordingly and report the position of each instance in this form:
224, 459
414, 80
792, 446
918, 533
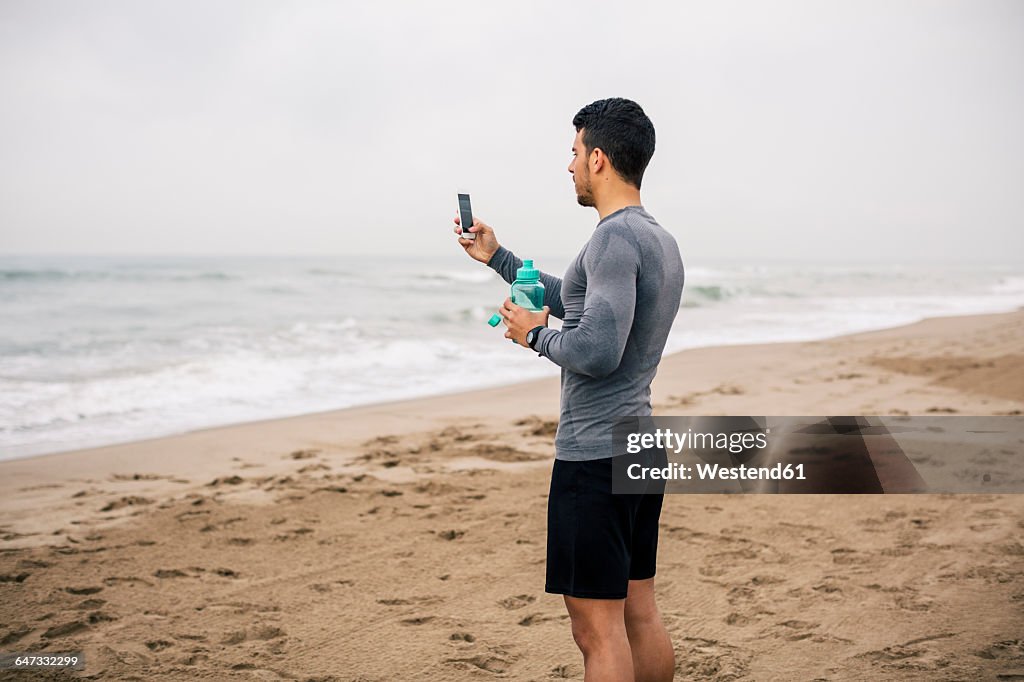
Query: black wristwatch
532, 335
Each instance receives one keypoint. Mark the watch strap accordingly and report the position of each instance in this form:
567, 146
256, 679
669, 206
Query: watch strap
536, 335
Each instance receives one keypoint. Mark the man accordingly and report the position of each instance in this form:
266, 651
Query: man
617, 301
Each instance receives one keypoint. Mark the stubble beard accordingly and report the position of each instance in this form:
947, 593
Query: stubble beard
585, 195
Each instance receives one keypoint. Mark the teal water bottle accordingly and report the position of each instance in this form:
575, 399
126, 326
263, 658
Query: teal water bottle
527, 291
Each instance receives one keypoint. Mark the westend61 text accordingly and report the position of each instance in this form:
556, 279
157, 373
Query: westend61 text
707, 472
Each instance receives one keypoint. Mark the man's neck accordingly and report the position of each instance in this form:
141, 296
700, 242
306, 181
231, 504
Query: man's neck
627, 196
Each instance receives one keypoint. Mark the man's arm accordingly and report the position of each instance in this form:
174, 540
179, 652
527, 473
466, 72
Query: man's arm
595, 346
485, 249
505, 263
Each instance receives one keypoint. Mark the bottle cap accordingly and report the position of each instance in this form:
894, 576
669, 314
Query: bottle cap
495, 319
528, 272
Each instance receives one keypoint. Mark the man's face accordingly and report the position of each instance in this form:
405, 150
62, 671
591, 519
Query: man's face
580, 170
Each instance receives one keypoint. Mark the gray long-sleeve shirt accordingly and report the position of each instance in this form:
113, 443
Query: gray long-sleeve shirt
617, 301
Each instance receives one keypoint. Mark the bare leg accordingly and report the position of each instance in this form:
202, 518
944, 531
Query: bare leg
599, 628
654, 659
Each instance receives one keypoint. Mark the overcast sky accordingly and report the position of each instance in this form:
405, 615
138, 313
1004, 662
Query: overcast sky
847, 131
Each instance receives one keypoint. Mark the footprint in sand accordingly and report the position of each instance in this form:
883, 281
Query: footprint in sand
131, 581
314, 467
737, 619
239, 608
1008, 649
504, 453
42, 486
327, 587
260, 632
845, 555
100, 617
535, 426
137, 477
911, 655
538, 618
516, 602
408, 601
293, 534
451, 534
222, 525
128, 501
13, 577
225, 480
14, 635
380, 440
496, 661
331, 489
709, 659
169, 573
565, 672
793, 630
66, 629
437, 489
828, 586
83, 590
456, 434
194, 658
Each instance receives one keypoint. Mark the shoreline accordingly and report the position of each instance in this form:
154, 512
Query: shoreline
525, 384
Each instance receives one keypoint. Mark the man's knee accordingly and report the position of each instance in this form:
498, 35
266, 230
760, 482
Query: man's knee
585, 635
591, 635
594, 624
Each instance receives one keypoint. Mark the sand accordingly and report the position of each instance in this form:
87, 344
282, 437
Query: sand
405, 541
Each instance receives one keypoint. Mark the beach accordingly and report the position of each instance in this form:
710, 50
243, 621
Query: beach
405, 540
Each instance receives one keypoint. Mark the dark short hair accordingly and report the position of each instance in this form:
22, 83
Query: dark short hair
622, 131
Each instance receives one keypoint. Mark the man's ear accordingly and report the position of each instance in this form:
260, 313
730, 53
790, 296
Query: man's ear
598, 160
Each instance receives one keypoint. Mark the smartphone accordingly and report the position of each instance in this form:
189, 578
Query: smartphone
466, 216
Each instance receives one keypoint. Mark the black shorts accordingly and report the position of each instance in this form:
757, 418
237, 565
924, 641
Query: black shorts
598, 541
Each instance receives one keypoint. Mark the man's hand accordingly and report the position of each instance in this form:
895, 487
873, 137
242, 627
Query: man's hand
485, 244
519, 320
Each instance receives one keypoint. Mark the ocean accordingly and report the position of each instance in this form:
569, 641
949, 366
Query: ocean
100, 350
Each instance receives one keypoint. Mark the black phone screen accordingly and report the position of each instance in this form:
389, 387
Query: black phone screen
465, 212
